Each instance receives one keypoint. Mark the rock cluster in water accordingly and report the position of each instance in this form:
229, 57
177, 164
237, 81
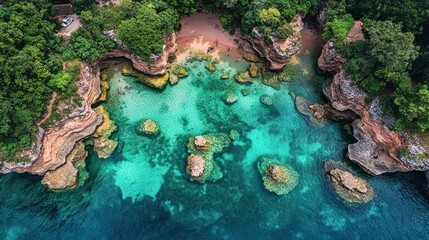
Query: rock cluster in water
230, 98
277, 177
154, 81
266, 100
201, 165
348, 186
243, 78
103, 145
149, 127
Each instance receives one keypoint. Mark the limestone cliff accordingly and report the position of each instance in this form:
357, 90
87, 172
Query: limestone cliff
55, 143
377, 147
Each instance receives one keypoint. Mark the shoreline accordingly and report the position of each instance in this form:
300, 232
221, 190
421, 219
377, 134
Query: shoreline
200, 31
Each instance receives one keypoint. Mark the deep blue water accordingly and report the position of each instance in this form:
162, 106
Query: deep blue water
142, 191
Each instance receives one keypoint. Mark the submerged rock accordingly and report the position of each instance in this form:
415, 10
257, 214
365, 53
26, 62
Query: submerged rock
102, 144
211, 68
278, 178
234, 134
266, 100
224, 76
230, 98
272, 80
348, 186
149, 127
179, 71
155, 81
173, 79
244, 92
201, 166
303, 106
243, 78
254, 70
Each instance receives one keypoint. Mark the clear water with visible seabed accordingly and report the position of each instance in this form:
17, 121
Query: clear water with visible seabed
142, 191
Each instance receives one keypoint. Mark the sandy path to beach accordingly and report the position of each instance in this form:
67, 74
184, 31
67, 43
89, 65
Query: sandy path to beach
202, 30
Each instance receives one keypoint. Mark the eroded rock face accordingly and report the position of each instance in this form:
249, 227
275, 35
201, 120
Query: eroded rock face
277, 53
65, 177
58, 140
160, 62
377, 147
330, 61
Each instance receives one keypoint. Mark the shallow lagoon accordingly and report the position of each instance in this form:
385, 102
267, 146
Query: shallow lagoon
142, 191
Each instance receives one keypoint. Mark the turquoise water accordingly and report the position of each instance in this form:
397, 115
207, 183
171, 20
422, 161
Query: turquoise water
142, 191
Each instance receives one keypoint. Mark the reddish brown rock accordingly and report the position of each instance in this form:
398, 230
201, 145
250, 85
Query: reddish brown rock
196, 165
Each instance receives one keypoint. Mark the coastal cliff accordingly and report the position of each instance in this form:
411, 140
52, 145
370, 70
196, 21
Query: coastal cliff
160, 62
57, 141
276, 52
378, 147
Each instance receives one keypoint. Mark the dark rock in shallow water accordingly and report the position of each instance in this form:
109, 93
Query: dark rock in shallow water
348, 186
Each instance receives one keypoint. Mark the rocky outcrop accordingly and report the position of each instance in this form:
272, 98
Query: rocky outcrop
276, 52
326, 111
103, 145
230, 98
201, 165
303, 107
58, 140
243, 78
156, 81
376, 147
160, 62
348, 186
149, 127
330, 61
277, 177
66, 176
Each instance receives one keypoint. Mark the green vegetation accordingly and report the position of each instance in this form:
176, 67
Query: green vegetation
338, 25
28, 61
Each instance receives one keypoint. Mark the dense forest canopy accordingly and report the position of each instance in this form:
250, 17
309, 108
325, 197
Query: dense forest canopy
392, 62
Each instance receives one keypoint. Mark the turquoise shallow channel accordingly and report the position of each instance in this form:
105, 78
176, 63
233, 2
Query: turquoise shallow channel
142, 191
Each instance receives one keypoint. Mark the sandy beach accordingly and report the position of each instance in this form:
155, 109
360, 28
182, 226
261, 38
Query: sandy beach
201, 31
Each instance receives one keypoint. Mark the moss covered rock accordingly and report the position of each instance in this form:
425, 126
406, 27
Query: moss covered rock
201, 166
211, 68
149, 127
272, 80
224, 76
277, 177
104, 146
230, 98
104, 85
179, 71
243, 78
174, 79
158, 82
254, 70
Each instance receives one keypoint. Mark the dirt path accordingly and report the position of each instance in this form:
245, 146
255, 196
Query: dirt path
48, 113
